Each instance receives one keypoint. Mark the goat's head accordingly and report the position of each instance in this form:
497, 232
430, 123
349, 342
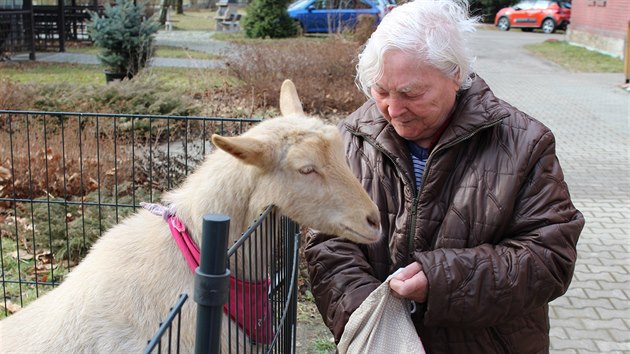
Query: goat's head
302, 170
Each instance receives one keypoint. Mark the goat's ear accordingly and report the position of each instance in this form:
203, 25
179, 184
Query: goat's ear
289, 101
249, 150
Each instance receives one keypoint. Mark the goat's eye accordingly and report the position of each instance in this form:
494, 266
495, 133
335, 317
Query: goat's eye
307, 170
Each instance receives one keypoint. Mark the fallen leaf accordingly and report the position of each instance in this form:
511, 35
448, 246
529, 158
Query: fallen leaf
5, 173
23, 255
45, 257
11, 307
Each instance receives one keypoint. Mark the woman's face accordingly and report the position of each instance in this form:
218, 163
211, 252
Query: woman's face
415, 97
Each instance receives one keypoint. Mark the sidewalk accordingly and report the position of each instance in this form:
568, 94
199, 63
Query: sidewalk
589, 115
194, 40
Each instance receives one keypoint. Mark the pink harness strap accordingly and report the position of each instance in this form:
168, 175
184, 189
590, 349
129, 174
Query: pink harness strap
186, 245
252, 311
249, 305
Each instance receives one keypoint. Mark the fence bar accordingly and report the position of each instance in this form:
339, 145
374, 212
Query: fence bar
175, 312
211, 283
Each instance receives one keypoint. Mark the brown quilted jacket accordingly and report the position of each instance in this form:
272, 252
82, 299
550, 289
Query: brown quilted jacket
493, 227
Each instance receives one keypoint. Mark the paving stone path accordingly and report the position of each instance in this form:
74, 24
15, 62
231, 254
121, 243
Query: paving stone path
589, 115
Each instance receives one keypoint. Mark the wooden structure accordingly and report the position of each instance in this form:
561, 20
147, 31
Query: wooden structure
25, 27
227, 18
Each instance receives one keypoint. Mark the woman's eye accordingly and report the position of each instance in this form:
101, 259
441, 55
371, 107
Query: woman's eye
307, 170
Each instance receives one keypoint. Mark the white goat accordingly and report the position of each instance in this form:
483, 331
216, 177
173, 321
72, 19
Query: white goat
114, 300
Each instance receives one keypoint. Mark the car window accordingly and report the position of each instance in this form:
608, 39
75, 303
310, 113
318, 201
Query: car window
566, 5
524, 5
541, 5
321, 4
353, 4
297, 3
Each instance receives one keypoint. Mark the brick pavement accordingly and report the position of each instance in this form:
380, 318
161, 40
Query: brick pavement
589, 115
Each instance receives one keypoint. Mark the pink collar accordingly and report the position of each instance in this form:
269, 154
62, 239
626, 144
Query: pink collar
255, 312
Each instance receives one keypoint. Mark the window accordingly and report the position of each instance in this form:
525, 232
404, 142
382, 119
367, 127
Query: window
525, 5
321, 4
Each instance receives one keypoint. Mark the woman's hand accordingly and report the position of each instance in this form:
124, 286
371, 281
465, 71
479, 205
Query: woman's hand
410, 283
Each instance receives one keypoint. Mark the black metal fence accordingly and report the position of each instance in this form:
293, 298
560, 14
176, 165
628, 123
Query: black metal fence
67, 177
16, 32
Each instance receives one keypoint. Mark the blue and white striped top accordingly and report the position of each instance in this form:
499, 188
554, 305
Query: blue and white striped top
419, 156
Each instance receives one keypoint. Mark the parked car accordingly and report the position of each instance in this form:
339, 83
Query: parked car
385, 6
547, 15
329, 16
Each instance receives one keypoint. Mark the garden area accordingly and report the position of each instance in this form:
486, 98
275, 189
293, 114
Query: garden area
246, 86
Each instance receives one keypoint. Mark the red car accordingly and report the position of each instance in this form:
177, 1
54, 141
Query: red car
547, 15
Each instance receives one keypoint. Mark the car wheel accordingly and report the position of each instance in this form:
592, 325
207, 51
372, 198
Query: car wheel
503, 24
549, 26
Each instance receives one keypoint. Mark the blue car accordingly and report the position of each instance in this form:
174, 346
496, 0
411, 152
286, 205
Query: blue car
331, 16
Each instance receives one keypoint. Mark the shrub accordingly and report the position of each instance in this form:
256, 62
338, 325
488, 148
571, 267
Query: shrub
125, 35
269, 18
323, 72
144, 95
364, 29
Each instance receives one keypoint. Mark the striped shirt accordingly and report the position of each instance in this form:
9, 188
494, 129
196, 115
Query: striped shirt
419, 158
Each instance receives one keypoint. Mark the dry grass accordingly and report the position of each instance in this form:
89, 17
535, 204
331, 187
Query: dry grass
322, 69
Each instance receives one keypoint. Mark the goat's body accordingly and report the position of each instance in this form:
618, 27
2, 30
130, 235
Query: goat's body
113, 301
116, 298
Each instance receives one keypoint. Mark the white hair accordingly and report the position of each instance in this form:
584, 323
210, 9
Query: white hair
434, 30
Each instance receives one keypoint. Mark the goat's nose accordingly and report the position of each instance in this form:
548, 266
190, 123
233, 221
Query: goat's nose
373, 221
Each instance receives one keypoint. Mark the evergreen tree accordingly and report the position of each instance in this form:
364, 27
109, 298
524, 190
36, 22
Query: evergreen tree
269, 18
124, 35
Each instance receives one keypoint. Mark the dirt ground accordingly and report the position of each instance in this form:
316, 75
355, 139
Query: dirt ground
313, 337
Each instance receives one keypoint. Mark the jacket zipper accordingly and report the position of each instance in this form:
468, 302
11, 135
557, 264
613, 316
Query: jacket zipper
414, 213
414, 189
427, 171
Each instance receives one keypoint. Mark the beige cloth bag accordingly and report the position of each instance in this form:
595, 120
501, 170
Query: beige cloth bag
382, 324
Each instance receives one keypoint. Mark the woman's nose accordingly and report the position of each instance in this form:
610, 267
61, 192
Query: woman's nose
395, 107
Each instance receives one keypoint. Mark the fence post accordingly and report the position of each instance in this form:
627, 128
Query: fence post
290, 326
626, 57
211, 283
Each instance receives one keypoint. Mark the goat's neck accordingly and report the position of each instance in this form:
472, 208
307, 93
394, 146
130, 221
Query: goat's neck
221, 185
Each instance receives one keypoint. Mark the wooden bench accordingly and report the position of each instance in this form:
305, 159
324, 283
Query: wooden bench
232, 23
225, 12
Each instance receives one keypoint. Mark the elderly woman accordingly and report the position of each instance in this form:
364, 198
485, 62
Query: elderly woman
473, 202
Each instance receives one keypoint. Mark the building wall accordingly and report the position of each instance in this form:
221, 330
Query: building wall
600, 24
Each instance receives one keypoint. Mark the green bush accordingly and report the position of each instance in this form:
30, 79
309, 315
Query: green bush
125, 35
143, 95
269, 18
